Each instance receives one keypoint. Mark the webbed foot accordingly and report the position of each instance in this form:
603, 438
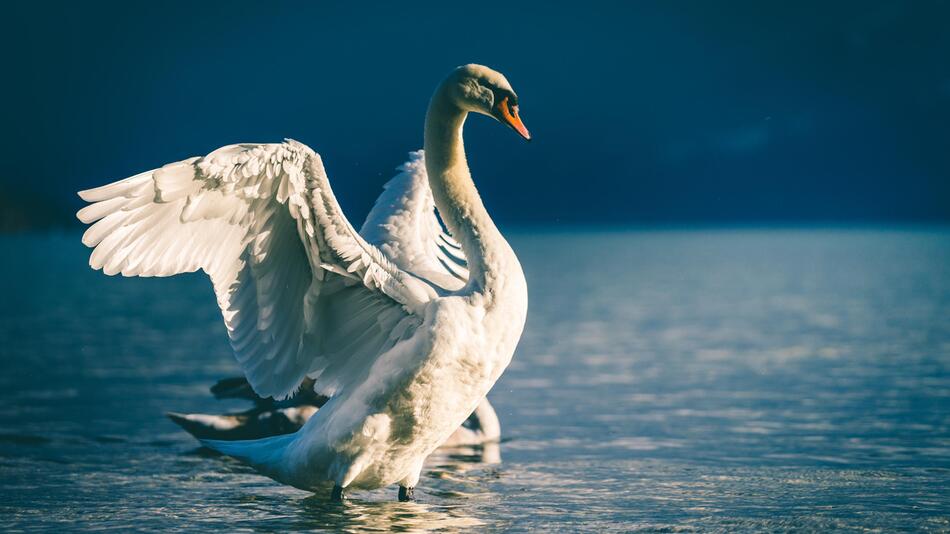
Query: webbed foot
406, 494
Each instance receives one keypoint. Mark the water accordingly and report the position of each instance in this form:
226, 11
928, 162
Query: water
667, 381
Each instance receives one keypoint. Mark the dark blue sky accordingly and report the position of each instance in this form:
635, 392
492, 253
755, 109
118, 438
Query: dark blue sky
642, 112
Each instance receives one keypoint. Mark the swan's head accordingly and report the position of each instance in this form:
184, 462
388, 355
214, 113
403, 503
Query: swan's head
479, 89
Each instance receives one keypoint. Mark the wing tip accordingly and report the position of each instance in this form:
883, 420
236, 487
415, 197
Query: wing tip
86, 216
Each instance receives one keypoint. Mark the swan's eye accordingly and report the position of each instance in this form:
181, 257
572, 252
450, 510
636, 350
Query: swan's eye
506, 102
506, 111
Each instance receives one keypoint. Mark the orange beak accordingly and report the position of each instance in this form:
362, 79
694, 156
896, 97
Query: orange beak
509, 115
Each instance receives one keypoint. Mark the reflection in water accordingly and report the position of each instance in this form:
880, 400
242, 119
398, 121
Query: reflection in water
378, 511
381, 516
463, 458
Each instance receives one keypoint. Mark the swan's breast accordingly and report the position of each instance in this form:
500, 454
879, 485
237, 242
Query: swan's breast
421, 391
465, 355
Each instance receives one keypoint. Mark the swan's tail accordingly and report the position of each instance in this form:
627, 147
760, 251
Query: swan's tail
267, 455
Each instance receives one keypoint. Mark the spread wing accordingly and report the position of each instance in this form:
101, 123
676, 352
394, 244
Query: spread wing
404, 225
301, 292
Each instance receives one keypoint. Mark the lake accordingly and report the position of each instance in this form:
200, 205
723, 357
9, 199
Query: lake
667, 381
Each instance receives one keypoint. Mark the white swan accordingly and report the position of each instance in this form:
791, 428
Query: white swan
403, 327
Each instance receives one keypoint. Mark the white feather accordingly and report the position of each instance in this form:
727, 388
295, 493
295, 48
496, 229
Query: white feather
224, 214
404, 225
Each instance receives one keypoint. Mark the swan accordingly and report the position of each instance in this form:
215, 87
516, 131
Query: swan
403, 325
269, 418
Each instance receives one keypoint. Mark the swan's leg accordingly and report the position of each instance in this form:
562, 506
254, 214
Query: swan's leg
408, 484
337, 494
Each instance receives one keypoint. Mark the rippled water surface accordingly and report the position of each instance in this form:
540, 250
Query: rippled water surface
666, 381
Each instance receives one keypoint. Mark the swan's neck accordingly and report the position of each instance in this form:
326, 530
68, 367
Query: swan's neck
455, 195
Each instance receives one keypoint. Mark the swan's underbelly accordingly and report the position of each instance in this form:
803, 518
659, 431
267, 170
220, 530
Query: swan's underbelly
464, 355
